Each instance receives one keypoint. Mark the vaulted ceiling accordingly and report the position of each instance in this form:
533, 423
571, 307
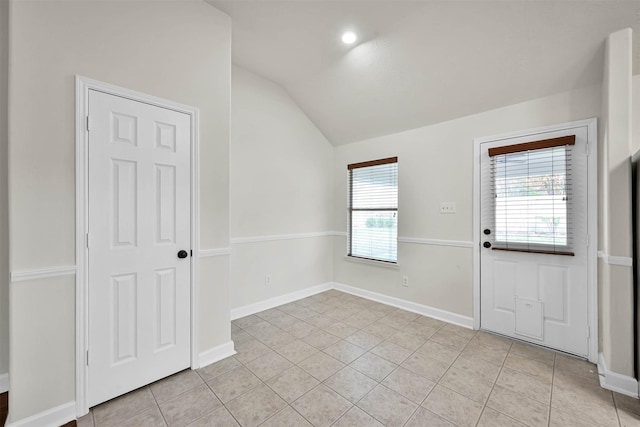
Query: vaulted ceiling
422, 62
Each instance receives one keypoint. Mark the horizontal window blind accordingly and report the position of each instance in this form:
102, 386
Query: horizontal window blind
532, 196
373, 210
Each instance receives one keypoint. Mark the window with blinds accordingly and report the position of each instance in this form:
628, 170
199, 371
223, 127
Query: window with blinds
532, 193
373, 210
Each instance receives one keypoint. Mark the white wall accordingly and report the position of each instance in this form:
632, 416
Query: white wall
4, 232
615, 232
179, 50
280, 184
435, 164
635, 109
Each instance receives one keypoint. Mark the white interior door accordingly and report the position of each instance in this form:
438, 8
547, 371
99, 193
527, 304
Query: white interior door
139, 219
534, 233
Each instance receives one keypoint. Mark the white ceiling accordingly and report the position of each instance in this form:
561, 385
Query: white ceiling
422, 62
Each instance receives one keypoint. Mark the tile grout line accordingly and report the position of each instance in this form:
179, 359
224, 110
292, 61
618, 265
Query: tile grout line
419, 405
262, 383
345, 365
158, 405
355, 404
378, 383
313, 388
217, 397
139, 411
349, 364
435, 383
322, 382
445, 373
615, 405
185, 392
296, 365
553, 379
529, 375
495, 382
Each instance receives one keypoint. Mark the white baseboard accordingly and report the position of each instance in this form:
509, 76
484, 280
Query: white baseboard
424, 310
215, 354
53, 417
4, 383
257, 307
619, 383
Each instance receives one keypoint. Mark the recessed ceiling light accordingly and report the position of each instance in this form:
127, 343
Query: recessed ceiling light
349, 37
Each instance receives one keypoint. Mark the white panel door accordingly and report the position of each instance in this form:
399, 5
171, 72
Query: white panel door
537, 297
139, 219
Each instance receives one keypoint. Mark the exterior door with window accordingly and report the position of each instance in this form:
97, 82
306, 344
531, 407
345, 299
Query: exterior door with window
534, 237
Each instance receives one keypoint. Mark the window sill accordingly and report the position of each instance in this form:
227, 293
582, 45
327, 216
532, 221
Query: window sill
535, 251
383, 264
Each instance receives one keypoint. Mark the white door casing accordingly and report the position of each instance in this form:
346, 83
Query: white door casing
549, 300
137, 207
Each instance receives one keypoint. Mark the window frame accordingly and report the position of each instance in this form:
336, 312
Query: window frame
351, 210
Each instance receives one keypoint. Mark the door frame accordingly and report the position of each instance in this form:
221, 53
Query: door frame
592, 220
83, 86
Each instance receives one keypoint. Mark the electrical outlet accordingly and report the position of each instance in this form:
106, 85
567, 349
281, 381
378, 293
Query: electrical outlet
405, 281
448, 207
267, 279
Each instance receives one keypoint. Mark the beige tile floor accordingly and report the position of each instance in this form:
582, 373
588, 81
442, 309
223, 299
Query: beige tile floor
334, 359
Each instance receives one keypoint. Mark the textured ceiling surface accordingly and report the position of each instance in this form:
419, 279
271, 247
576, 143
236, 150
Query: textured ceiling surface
422, 62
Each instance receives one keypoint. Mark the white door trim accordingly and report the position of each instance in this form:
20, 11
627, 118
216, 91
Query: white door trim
83, 86
592, 206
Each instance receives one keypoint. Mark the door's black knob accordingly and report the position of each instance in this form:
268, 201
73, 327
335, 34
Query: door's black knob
487, 244
487, 231
183, 254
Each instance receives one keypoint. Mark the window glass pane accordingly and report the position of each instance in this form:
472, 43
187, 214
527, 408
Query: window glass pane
532, 197
375, 187
374, 234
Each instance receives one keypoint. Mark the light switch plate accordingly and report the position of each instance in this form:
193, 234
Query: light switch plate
447, 207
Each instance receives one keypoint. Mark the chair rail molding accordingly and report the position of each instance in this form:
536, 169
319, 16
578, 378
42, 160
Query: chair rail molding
206, 253
436, 242
274, 237
44, 273
624, 261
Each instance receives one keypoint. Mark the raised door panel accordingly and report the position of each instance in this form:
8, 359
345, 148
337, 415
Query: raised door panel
165, 212
124, 200
124, 320
165, 308
504, 279
124, 129
165, 136
553, 292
